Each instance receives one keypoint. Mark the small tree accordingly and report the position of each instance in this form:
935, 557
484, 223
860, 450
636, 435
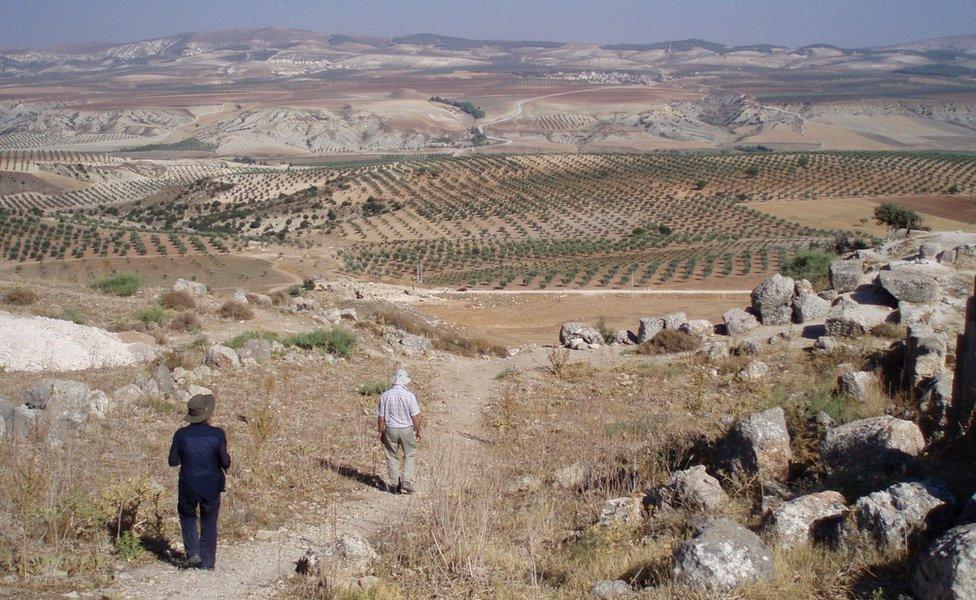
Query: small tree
897, 217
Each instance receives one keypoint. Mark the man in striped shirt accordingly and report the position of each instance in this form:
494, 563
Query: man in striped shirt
399, 421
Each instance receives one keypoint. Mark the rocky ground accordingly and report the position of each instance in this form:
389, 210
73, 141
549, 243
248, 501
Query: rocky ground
815, 442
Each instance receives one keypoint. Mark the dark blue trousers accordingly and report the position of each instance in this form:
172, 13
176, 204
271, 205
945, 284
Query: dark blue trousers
199, 536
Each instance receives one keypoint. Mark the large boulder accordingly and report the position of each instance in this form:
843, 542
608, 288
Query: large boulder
194, 288
809, 307
409, 344
845, 275
6, 417
739, 322
947, 569
904, 513
624, 337
25, 420
870, 444
759, 445
579, 331
772, 300
850, 319
697, 327
222, 357
722, 556
648, 327
809, 518
692, 489
858, 385
910, 284
66, 401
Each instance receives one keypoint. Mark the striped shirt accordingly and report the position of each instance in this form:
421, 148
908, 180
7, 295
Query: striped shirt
397, 406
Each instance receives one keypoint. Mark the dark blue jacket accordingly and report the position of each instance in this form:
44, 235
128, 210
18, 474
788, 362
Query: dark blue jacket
200, 450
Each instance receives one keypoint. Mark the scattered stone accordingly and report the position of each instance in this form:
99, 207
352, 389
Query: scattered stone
202, 372
947, 569
810, 518
649, 327
66, 400
222, 357
826, 344
526, 483
674, 320
6, 416
934, 404
929, 250
255, 349
772, 300
925, 355
858, 385
258, 299
610, 590
904, 513
754, 371
25, 419
349, 553
581, 331
829, 295
571, 477
620, 512
803, 287
715, 350
851, 320
697, 327
845, 275
194, 288
128, 394
722, 556
871, 444
148, 386
739, 322
240, 297
182, 376
692, 489
624, 338
759, 445
164, 380
407, 344
910, 284
809, 307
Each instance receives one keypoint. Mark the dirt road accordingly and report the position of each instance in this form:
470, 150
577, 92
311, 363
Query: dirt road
257, 569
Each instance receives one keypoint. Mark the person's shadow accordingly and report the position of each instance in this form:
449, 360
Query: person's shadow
367, 479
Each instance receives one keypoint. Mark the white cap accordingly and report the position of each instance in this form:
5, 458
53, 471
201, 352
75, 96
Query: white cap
400, 377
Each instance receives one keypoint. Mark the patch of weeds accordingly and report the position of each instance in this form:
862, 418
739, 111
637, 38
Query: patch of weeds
160, 404
889, 331
181, 300
128, 546
152, 315
74, 315
236, 310
506, 373
119, 284
605, 332
373, 387
186, 322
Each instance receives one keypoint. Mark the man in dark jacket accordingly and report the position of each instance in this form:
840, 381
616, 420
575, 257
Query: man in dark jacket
200, 451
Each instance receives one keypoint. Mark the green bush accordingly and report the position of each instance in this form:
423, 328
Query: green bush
808, 264
152, 315
335, 341
120, 284
897, 217
74, 315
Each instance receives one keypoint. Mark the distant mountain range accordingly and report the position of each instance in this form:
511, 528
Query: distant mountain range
281, 52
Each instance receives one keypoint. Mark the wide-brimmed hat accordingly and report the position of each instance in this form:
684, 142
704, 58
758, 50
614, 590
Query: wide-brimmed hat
400, 377
199, 408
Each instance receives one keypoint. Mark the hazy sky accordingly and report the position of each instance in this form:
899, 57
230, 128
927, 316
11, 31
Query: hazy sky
849, 23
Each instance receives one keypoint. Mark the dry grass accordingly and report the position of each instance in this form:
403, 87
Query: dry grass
442, 336
181, 300
185, 322
669, 341
20, 296
236, 310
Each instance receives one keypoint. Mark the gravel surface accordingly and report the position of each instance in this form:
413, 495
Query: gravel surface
43, 344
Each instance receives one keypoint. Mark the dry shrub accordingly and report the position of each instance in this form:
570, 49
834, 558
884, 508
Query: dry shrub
20, 296
669, 341
181, 300
891, 331
236, 310
280, 298
185, 322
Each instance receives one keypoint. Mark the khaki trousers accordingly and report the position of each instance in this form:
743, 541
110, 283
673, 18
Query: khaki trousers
395, 439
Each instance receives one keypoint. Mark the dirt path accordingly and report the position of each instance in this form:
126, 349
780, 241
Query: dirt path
256, 569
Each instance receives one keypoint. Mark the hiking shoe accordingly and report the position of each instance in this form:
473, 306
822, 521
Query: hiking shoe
406, 487
192, 562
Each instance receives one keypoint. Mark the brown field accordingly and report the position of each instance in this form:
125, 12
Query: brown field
857, 214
